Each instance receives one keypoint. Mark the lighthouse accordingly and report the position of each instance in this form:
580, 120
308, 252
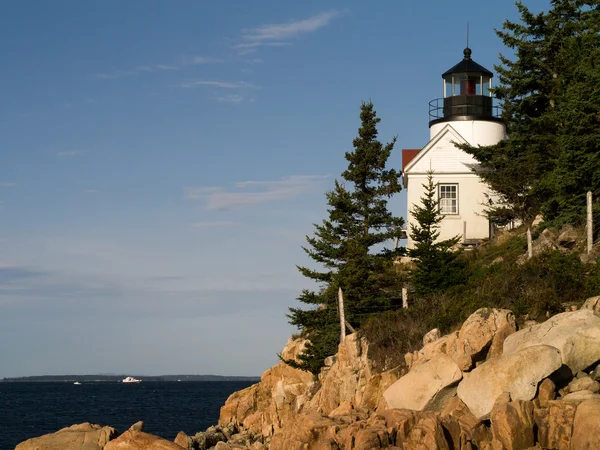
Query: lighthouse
465, 114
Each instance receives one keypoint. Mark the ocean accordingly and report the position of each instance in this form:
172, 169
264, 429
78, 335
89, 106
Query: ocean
32, 409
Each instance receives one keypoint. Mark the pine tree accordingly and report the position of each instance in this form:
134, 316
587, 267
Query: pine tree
348, 245
550, 98
577, 116
437, 264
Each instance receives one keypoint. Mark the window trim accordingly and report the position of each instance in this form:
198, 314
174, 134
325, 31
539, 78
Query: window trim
440, 199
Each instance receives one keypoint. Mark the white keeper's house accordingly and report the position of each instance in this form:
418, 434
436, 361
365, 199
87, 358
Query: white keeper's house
465, 114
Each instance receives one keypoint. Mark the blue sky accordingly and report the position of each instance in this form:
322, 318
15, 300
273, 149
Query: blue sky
161, 163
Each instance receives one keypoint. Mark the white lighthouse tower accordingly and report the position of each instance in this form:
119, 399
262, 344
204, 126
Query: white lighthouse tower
465, 114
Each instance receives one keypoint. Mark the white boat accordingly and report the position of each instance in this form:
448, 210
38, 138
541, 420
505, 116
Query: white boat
77, 382
131, 380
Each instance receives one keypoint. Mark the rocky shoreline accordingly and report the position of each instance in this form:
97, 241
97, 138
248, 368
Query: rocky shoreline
487, 386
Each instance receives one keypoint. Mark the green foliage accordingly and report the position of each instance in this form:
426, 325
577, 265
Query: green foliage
346, 244
393, 333
592, 282
321, 343
533, 289
550, 95
437, 265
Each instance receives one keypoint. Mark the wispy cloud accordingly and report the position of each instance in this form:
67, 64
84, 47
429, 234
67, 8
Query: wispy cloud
277, 35
118, 73
219, 84
10, 273
7, 184
190, 60
256, 192
215, 224
232, 98
252, 45
68, 154
155, 68
113, 74
186, 61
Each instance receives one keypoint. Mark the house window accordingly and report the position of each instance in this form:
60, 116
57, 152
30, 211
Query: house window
448, 198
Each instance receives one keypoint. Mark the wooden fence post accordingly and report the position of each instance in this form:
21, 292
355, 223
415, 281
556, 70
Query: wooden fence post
590, 223
529, 244
404, 297
342, 318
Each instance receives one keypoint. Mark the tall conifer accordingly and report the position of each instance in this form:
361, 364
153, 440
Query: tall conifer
551, 103
348, 245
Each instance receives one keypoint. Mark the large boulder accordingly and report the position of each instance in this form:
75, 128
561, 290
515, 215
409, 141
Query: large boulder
546, 242
546, 392
461, 427
512, 424
376, 385
576, 334
484, 329
586, 426
427, 434
307, 430
444, 344
84, 436
366, 435
518, 374
584, 384
568, 236
480, 337
431, 336
267, 406
135, 440
555, 424
400, 422
347, 379
592, 303
183, 440
580, 396
426, 387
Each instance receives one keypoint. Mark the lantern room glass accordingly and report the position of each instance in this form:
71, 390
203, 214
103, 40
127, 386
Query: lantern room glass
467, 84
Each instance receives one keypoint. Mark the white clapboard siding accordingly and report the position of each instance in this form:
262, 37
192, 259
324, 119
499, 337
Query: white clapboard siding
442, 156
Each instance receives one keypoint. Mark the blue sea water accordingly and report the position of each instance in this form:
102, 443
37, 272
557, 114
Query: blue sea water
32, 409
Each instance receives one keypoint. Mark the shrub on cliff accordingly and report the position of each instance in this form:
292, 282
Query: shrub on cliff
539, 287
437, 265
348, 244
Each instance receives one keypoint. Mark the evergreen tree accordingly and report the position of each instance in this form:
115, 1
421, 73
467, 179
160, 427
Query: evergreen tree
550, 98
576, 168
348, 245
437, 265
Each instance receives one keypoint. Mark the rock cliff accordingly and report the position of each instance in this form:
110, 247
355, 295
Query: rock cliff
487, 386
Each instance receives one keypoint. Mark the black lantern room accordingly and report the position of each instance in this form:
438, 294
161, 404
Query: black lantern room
467, 94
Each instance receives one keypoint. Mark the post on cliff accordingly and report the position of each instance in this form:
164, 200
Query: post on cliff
342, 318
590, 222
529, 244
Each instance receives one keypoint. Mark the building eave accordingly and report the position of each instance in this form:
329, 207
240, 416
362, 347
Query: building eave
434, 140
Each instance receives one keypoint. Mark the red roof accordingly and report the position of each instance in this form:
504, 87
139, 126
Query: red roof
407, 156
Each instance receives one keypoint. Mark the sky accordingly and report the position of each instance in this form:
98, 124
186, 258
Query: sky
161, 163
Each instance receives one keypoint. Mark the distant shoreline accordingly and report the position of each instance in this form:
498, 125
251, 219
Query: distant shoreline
119, 378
